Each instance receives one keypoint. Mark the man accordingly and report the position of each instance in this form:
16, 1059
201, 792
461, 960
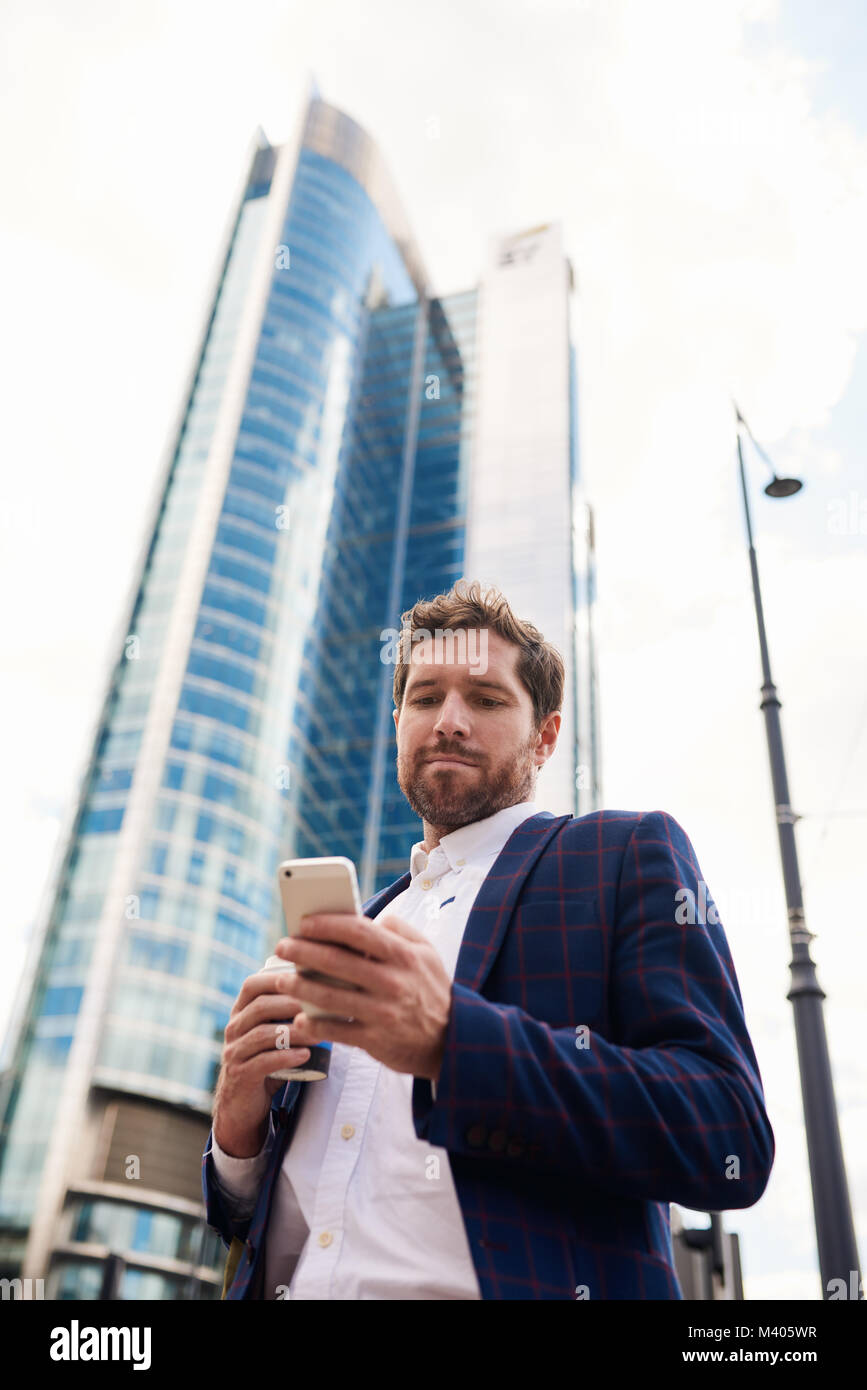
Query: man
543, 1054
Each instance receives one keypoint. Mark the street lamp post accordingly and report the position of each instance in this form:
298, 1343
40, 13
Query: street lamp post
835, 1231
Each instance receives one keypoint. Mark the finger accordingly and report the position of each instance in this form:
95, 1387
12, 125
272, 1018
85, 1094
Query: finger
342, 929
359, 933
269, 1004
282, 1059
268, 1038
290, 1056
340, 1002
298, 1032
295, 1051
254, 986
336, 961
345, 1030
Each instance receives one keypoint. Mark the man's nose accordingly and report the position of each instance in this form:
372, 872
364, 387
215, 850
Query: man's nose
453, 717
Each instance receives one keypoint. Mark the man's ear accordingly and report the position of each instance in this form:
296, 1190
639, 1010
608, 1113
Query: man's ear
547, 735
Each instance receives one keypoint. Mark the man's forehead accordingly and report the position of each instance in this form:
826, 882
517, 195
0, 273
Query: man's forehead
466, 654
459, 638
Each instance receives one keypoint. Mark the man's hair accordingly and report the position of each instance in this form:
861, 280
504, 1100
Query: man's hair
540, 666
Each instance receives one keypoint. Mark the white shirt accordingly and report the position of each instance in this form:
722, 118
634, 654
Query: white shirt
363, 1208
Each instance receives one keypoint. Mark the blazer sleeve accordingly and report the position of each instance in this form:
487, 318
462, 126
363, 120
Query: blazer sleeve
226, 1212
669, 1107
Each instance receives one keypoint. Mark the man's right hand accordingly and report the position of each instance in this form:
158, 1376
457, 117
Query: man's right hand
244, 1088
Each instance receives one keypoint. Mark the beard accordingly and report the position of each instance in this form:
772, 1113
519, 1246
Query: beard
447, 799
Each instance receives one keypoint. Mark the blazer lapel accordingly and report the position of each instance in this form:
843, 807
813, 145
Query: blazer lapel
379, 900
495, 899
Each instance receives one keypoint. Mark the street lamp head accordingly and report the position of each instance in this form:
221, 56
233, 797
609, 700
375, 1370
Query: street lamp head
783, 487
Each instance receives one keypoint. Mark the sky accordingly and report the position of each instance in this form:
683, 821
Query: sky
707, 162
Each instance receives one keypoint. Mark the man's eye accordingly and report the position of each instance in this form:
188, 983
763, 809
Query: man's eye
486, 699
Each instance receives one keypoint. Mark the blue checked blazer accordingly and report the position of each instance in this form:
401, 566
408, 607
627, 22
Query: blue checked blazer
597, 1067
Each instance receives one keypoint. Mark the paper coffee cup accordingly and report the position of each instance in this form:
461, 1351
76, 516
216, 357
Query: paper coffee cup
316, 1066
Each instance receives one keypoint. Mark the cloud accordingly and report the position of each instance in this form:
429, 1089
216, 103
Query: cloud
716, 221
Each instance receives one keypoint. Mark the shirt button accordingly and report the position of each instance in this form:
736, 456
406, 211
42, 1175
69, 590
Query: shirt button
462, 861
426, 883
347, 1131
325, 1238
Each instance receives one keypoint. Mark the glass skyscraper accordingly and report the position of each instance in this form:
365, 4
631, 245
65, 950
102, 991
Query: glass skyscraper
347, 443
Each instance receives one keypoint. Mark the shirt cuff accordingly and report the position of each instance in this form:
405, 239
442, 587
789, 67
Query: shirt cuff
240, 1178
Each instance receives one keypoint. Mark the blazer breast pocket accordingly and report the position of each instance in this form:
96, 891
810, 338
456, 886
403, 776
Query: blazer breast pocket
557, 960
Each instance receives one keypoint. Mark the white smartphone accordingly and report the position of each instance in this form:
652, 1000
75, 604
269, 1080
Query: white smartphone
319, 885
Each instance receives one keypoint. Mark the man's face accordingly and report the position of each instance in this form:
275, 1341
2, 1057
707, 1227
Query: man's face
457, 706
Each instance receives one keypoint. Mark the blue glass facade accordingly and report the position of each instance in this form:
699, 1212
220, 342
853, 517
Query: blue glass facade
346, 487
336, 724
39, 1067
231, 784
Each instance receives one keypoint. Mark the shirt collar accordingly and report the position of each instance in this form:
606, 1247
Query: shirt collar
477, 841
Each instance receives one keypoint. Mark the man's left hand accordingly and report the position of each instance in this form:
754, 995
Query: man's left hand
401, 1012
